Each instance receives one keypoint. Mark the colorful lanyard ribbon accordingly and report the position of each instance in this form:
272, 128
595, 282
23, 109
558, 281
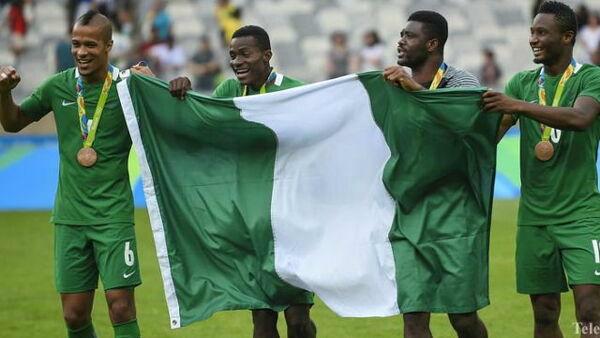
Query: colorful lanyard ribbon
557, 96
439, 75
88, 135
263, 88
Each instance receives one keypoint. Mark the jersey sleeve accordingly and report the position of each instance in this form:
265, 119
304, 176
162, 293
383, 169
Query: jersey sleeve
225, 89
591, 84
294, 83
513, 86
513, 89
39, 103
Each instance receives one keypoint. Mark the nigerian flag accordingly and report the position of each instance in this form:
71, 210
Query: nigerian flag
256, 199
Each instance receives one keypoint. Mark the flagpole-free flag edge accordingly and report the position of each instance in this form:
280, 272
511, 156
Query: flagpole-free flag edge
152, 205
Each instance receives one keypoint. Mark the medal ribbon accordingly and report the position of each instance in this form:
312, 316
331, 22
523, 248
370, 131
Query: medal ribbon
263, 88
437, 78
88, 135
546, 130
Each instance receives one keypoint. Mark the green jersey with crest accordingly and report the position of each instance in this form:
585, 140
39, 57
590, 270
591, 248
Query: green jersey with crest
565, 188
233, 88
100, 194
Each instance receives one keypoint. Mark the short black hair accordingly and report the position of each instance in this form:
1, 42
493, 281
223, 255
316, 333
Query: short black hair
93, 15
564, 16
261, 36
436, 26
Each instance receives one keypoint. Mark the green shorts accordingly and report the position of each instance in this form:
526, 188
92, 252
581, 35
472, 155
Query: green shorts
81, 253
445, 275
545, 254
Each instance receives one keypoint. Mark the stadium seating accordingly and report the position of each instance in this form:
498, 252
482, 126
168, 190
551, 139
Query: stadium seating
300, 30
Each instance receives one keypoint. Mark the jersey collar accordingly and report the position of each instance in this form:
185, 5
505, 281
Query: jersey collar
115, 73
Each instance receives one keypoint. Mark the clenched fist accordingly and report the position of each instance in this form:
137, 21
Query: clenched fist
399, 76
9, 78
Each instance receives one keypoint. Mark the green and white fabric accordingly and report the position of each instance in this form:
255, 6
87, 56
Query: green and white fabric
255, 199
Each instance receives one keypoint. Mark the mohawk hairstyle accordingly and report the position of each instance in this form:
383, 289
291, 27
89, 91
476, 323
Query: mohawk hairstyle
93, 17
435, 25
563, 15
257, 32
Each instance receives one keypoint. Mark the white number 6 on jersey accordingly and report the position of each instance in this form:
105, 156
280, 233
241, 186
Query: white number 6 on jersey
129, 256
596, 247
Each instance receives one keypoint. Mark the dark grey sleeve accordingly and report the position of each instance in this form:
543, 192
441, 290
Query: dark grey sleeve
460, 78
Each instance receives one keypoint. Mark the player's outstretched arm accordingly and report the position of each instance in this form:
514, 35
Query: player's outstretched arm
11, 117
578, 118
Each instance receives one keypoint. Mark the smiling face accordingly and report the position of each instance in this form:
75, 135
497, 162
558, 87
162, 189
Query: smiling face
413, 47
249, 62
547, 41
90, 50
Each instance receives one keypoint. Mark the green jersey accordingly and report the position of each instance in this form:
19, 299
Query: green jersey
565, 188
100, 194
233, 87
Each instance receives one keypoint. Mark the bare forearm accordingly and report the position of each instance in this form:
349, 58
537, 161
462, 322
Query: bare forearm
505, 124
565, 118
9, 113
11, 118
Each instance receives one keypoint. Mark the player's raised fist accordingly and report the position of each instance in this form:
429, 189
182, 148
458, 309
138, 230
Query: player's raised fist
9, 78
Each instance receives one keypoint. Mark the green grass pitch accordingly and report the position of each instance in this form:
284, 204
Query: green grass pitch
29, 305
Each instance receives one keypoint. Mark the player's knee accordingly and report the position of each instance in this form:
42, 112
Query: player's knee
416, 323
299, 325
589, 310
301, 329
416, 318
462, 322
546, 313
546, 318
76, 317
121, 310
265, 324
264, 320
297, 316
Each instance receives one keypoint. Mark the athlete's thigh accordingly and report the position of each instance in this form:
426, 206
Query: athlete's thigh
538, 262
580, 250
75, 268
116, 255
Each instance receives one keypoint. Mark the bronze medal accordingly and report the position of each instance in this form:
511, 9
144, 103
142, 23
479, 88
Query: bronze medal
544, 150
87, 157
